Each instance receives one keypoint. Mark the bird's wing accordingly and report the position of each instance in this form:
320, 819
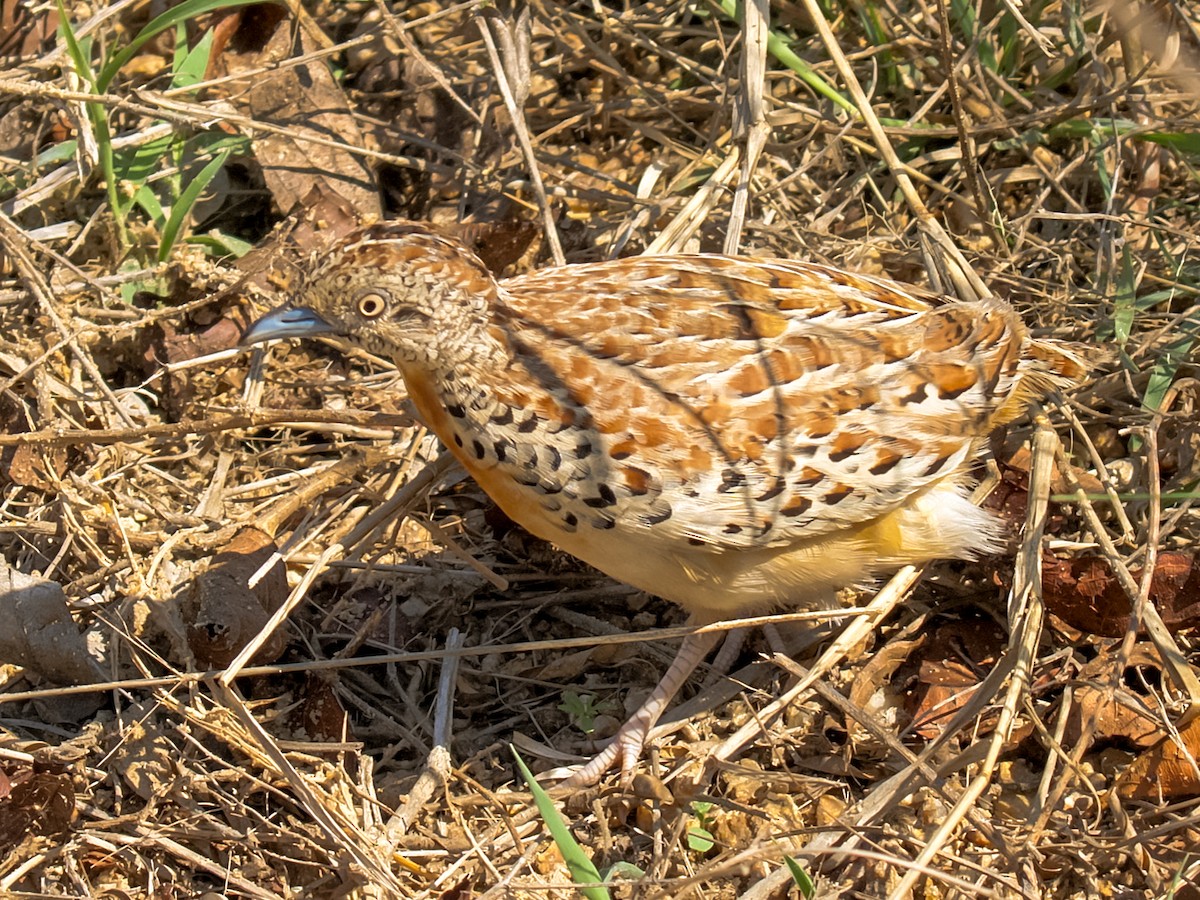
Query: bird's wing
745, 403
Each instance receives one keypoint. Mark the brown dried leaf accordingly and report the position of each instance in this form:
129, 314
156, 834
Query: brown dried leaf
41, 635
38, 467
868, 691
1167, 771
23, 32
1110, 719
1084, 593
950, 666
499, 244
1098, 708
319, 716
223, 613
312, 111
37, 802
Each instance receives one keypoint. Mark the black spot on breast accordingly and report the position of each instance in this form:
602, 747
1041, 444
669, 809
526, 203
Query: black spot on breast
478, 449
916, 396
571, 520
528, 425
731, 479
606, 497
503, 417
657, 518
936, 466
604, 523
695, 542
458, 441
773, 491
584, 450
456, 410
500, 448
798, 506
835, 497
732, 528
555, 460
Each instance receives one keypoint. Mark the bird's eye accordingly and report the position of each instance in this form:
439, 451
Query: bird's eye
371, 306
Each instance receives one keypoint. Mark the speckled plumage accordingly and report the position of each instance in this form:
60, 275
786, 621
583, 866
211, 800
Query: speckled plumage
732, 434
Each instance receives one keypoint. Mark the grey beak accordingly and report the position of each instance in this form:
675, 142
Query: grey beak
286, 322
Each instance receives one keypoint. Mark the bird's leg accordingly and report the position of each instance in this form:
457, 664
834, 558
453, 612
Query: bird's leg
627, 742
723, 661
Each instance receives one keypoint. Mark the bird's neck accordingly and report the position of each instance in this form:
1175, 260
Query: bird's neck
465, 395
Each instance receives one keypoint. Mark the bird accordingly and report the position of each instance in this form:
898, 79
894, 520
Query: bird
734, 434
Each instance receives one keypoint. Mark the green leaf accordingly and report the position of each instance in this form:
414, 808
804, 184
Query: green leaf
56, 153
218, 243
624, 870
190, 68
583, 709
802, 879
98, 115
1168, 360
700, 840
1124, 299
81, 61
181, 12
146, 199
135, 165
578, 863
185, 203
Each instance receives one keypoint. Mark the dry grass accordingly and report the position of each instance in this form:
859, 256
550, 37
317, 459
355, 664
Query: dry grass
142, 451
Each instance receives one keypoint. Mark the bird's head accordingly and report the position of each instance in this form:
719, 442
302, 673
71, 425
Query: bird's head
397, 289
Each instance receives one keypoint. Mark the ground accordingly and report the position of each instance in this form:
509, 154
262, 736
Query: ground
995, 728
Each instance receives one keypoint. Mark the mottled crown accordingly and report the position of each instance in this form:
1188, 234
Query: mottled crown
401, 290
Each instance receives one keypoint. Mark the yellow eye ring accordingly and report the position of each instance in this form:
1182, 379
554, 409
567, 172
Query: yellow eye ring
371, 305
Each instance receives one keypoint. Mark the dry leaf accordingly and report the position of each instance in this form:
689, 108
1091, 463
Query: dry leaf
312, 112
1085, 594
41, 636
223, 613
950, 666
35, 801
1167, 771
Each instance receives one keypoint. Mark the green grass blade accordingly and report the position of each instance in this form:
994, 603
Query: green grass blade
190, 65
185, 203
778, 47
1167, 362
1125, 299
580, 865
188, 9
80, 60
802, 878
98, 116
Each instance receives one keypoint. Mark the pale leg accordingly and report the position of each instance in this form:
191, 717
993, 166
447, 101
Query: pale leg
722, 663
627, 743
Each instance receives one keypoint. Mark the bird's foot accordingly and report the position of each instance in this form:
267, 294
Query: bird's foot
627, 744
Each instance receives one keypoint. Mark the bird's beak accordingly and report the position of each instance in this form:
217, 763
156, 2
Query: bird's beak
286, 322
